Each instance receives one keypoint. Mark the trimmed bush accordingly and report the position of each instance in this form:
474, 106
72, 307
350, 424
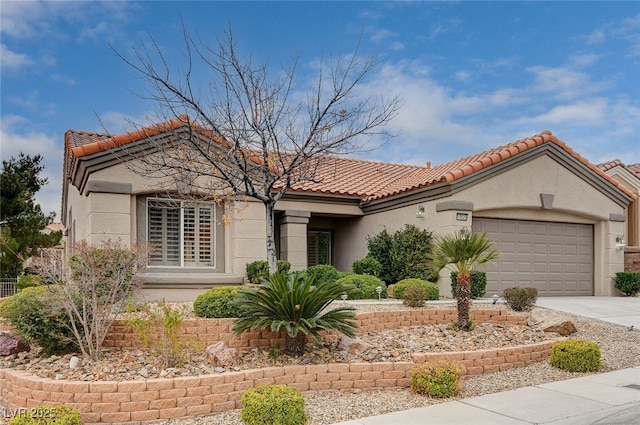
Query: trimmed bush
478, 284
258, 270
217, 303
362, 286
628, 283
432, 290
520, 299
367, 265
324, 273
47, 415
37, 315
28, 281
575, 355
273, 405
403, 255
439, 380
414, 296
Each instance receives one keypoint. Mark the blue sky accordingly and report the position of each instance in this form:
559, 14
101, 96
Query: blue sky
472, 75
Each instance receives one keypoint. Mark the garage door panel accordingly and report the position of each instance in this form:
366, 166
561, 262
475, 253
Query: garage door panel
555, 258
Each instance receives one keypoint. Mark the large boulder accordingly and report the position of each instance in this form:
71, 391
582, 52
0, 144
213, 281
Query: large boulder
10, 344
550, 321
219, 354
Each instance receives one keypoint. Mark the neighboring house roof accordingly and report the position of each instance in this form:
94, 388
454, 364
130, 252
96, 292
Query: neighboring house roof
635, 168
367, 180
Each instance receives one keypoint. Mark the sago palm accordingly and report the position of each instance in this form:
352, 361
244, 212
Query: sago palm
465, 251
294, 304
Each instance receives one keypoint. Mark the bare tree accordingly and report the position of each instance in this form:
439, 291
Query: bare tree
249, 133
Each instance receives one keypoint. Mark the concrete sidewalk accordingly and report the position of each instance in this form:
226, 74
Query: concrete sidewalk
611, 398
607, 398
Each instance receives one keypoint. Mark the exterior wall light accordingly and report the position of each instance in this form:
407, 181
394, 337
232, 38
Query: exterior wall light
620, 243
420, 213
462, 216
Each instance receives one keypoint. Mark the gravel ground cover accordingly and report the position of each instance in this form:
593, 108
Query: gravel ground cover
620, 348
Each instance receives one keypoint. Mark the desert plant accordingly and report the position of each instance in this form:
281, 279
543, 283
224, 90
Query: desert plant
403, 255
478, 283
465, 251
48, 415
628, 283
217, 302
520, 299
93, 288
575, 355
322, 273
258, 270
28, 280
367, 265
431, 289
38, 316
158, 327
294, 304
437, 380
362, 286
414, 296
273, 405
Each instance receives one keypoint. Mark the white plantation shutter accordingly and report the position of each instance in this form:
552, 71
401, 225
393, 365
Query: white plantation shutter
175, 228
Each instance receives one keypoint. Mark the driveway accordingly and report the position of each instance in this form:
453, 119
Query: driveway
623, 311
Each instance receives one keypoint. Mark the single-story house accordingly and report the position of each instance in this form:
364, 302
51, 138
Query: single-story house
559, 221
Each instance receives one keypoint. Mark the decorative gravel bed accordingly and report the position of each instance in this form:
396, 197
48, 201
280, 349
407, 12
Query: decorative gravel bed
620, 349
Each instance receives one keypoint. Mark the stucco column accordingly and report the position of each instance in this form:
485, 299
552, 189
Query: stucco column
293, 238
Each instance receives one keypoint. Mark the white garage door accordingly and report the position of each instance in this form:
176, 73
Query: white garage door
556, 258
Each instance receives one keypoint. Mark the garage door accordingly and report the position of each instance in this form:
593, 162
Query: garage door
556, 258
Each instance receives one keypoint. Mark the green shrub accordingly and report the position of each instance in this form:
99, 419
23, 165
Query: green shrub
432, 290
28, 281
439, 380
258, 270
575, 355
520, 299
404, 254
273, 405
217, 302
628, 283
37, 315
362, 286
414, 296
47, 415
478, 284
367, 265
323, 273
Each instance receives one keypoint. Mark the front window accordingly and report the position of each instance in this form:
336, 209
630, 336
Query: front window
181, 233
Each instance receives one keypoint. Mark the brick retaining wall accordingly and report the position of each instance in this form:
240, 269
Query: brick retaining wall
155, 400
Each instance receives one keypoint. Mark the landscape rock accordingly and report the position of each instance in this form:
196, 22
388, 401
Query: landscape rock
221, 355
541, 318
565, 328
352, 345
10, 344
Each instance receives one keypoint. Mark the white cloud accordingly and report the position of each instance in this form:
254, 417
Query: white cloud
588, 113
11, 60
16, 136
596, 37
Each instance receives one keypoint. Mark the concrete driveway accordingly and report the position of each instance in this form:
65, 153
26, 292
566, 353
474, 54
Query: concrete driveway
623, 311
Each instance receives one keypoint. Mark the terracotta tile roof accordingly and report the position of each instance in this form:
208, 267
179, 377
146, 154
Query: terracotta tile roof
343, 176
352, 177
635, 168
463, 167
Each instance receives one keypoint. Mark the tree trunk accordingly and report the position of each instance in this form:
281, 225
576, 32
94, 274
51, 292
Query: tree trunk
464, 299
271, 242
294, 346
